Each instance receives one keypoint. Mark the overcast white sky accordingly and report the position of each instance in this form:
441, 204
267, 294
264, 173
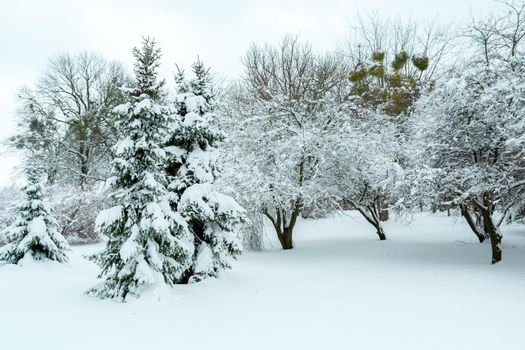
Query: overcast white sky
218, 31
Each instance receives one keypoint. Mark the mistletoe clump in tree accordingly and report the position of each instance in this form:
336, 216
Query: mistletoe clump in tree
395, 91
34, 232
212, 217
148, 243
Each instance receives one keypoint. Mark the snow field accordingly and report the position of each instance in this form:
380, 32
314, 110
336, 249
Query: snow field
429, 286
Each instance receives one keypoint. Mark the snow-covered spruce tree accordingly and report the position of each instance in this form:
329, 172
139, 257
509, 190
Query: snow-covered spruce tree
469, 144
34, 231
212, 217
76, 210
148, 243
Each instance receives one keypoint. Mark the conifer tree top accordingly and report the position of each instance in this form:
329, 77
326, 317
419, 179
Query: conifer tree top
147, 61
201, 83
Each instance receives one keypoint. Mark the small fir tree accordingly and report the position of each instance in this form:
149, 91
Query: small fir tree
34, 232
212, 217
148, 243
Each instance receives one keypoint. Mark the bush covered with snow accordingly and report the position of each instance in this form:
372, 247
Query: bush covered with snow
76, 211
9, 197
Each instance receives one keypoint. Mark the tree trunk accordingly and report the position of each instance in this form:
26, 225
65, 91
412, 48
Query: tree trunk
84, 166
486, 209
472, 223
286, 239
376, 211
380, 232
283, 227
197, 228
371, 214
494, 235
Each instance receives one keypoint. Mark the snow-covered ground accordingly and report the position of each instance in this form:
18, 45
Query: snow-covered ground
429, 286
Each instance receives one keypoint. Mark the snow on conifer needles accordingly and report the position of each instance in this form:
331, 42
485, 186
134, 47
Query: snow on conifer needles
212, 217
148, 242
168, 225
34, 232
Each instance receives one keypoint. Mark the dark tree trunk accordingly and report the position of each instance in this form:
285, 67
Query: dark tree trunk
485, 210
476, 229
495, 237
84, 166
371, 214
283, 227
380, 232
197, 228
286, 239
490, 229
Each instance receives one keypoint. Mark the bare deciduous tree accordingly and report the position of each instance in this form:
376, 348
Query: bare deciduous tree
370, 33
500, 35
67, 113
